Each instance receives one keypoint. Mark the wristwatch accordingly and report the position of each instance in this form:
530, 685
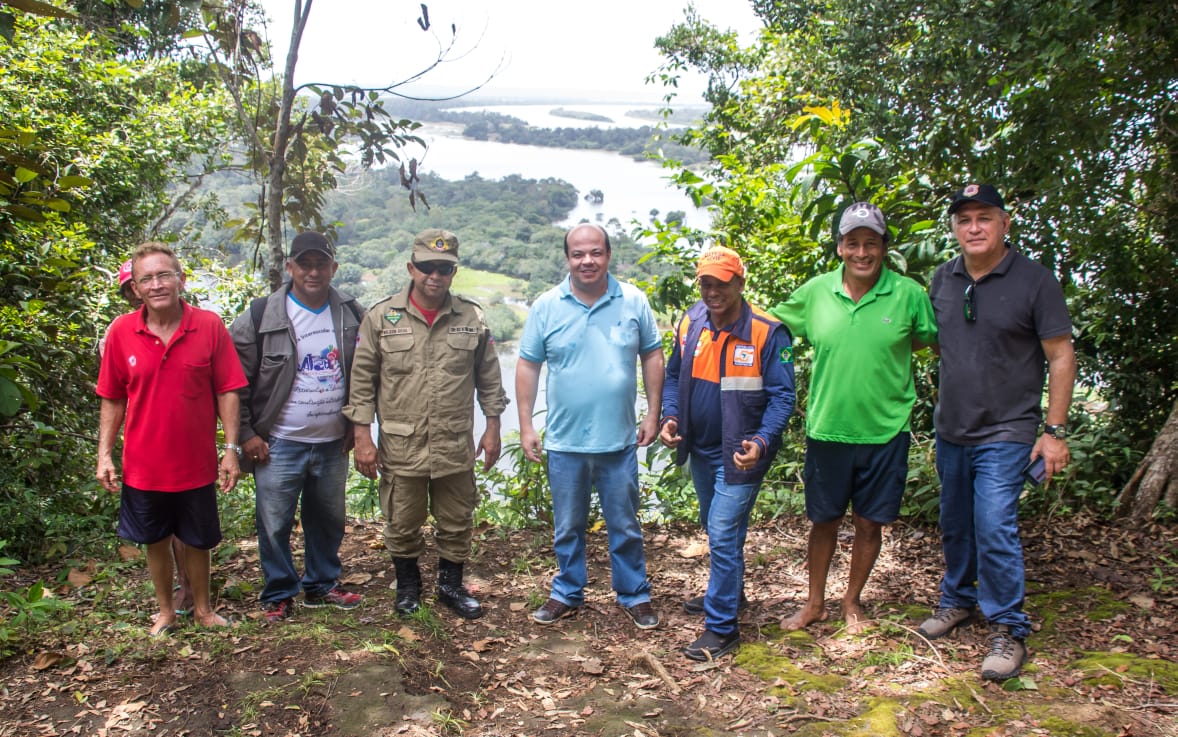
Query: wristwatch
1059, 432
235, 448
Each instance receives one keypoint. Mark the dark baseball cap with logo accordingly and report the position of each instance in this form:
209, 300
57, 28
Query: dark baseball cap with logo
435, 244
983, 193
311, 241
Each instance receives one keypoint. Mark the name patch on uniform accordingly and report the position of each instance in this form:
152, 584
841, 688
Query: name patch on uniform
743, 355
396, 331
464, 329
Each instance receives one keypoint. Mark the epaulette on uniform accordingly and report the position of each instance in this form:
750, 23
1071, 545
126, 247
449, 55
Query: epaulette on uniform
478, 308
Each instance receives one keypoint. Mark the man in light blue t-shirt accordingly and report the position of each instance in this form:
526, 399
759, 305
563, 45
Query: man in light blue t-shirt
591, 330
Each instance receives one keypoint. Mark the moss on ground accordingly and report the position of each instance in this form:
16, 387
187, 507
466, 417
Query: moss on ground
1112, 669
773, 667
1098, 604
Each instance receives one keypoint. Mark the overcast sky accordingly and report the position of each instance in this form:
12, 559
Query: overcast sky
560, 45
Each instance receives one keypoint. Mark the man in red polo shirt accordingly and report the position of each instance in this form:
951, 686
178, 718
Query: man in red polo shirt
169, 370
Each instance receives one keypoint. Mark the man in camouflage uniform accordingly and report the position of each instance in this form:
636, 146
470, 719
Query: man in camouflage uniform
422, 354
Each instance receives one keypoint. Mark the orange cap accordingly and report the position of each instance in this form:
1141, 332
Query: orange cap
721, 263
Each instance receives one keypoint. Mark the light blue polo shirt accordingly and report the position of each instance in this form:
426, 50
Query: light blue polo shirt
592, 356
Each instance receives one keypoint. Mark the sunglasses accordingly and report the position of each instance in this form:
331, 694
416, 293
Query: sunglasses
971, 306
443, 268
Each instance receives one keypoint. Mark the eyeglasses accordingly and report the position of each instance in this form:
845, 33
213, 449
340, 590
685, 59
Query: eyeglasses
443, 268
163, 277
971, 306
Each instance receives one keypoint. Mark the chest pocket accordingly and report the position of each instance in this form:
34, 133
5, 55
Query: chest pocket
197, 380
396, 353
460, 347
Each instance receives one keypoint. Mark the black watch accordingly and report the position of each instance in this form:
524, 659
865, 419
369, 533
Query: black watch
1059, 432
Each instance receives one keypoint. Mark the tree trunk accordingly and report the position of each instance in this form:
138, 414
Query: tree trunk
274, 210
1156, 479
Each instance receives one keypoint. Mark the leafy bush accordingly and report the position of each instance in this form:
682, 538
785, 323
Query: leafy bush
21, 610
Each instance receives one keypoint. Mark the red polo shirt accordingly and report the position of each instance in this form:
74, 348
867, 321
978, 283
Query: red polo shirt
170, 433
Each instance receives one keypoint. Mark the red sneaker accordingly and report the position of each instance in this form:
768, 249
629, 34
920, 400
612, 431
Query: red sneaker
337, 598
278, 610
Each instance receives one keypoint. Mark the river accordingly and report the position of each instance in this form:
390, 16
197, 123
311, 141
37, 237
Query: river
631, 188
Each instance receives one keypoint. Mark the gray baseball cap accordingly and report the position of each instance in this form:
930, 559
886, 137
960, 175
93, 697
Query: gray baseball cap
862, 215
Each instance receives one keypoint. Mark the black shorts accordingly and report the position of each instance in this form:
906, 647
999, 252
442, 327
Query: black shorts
870, 478
147, 517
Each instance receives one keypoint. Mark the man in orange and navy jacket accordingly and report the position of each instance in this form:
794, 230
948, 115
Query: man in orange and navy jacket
728, 394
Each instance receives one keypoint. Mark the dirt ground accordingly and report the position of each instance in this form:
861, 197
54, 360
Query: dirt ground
1104, 601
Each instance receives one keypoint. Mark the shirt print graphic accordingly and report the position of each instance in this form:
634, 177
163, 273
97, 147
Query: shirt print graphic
324, 368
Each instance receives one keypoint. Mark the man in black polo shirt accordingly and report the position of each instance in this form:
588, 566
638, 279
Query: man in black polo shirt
1002, 319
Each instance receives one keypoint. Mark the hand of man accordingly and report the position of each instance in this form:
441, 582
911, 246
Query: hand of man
529, 440
648, 430
366, 455
1056, 456
230, 471
108, 475
747, 457
490, 446
669, 435
256, 449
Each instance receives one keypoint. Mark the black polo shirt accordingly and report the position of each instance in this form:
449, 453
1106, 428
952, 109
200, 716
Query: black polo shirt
992, 369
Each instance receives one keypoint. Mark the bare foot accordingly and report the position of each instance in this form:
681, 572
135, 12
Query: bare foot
807, 615
856, 619
214, 621
162, 624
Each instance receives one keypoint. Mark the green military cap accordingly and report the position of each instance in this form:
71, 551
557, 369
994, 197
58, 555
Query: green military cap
435, 244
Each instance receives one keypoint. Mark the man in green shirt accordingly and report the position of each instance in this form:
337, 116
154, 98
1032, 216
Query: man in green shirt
864, 321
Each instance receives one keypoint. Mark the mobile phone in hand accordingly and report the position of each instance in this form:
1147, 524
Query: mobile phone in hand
1035, 472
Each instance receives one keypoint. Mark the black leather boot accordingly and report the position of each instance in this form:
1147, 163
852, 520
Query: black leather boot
453, 594
408, 586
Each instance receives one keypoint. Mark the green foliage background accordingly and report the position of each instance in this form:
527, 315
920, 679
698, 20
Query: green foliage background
113, 131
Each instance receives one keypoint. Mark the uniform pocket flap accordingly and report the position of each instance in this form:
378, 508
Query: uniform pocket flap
402, 429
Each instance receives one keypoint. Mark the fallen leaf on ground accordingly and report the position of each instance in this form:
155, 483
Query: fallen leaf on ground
46, 660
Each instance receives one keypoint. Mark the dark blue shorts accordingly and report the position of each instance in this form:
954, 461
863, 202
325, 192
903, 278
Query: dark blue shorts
870, 478
147, 517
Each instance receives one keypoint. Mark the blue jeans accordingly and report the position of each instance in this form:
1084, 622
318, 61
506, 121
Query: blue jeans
980, 487
724, 512
572, 477
316, 472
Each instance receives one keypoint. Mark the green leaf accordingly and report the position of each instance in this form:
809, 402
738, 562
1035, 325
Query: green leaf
73, 180
24, 213
1021, 683
39, 8
9, 397
24, 175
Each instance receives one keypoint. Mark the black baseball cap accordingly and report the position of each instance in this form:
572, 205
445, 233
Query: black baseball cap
983, 193
311, 241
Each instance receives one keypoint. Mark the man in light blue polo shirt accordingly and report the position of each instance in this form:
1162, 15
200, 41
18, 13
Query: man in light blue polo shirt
591, 329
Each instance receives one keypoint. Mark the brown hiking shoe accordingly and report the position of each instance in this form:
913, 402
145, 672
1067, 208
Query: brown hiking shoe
1006, 656
643, 616
943, 621
553, 611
